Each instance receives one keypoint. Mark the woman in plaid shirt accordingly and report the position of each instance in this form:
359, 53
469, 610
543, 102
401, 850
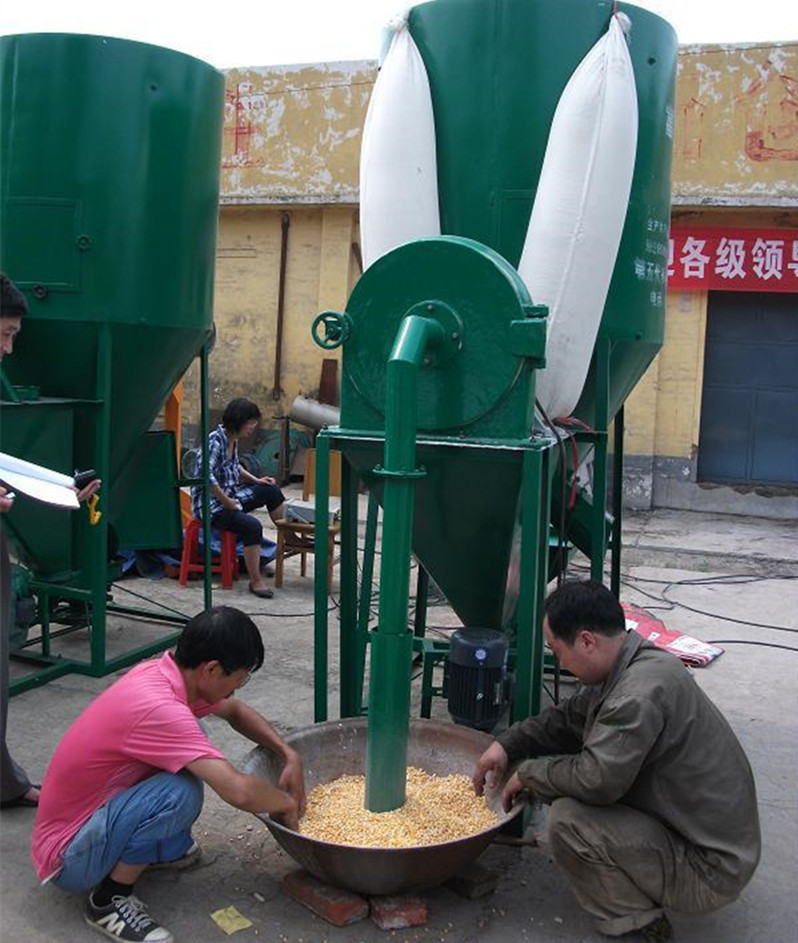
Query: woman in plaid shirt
234, 491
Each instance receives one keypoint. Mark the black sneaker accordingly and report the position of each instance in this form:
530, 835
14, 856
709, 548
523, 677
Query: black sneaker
126, 918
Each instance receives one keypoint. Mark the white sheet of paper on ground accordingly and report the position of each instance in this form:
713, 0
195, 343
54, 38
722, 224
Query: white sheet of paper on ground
398, 164
579, 212
38, 482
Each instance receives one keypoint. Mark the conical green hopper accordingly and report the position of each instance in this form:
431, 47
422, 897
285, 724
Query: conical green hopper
496, 72
110, 155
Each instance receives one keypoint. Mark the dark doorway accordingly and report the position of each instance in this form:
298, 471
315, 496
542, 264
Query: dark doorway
749, 409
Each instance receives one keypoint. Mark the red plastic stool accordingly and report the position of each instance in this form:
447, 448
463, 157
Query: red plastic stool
194, 562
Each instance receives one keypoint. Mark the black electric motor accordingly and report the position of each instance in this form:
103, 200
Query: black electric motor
478, 685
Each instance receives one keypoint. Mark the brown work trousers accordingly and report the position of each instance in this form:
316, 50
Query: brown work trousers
624, 866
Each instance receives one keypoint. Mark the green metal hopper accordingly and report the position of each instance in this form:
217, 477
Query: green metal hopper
110, 154
490, 143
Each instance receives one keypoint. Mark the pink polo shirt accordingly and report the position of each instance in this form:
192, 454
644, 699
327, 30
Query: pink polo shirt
139, 726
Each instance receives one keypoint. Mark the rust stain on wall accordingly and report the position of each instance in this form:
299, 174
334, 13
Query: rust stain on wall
737, 124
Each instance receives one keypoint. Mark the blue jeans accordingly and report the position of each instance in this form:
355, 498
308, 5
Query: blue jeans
146, 824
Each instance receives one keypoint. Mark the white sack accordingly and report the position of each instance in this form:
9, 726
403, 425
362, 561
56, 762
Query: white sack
579, 211
398, 168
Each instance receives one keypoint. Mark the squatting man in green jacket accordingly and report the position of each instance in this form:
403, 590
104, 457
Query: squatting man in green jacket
653, 803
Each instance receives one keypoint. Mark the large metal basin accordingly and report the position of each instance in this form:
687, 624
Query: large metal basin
337, 748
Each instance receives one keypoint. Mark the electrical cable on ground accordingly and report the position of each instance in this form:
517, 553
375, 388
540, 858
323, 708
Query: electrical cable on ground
720, 580
147, 599
741, 641
714, 615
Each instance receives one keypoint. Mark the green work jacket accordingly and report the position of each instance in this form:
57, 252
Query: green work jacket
649, 738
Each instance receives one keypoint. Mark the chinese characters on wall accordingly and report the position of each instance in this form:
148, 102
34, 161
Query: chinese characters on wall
729, 259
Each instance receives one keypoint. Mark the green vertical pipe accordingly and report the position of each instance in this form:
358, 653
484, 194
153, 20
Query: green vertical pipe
617, 503
392, 643
599, 536
320, 667
99, 544
351, 698
206, 497
320, 560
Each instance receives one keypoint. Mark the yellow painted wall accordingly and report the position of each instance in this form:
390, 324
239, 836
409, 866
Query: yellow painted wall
318, 276
736, 135
663, 412
680, 373
291, 144
640, 413
292, 133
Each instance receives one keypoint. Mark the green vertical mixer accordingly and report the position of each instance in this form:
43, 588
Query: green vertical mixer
441, 344
110, 154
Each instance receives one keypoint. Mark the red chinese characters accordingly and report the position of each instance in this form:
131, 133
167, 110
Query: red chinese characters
727, 259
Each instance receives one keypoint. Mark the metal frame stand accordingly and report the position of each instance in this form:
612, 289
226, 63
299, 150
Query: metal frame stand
355, 601
528, 652
95, 596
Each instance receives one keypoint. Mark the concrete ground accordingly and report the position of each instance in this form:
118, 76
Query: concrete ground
711, 576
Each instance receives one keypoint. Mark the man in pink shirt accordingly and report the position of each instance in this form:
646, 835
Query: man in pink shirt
124, 786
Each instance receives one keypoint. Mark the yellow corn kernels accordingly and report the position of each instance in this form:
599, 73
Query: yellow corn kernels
437, 809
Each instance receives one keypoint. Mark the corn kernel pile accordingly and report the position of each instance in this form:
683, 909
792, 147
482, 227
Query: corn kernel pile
438, 809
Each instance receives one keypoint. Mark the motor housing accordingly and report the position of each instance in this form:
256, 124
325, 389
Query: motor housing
478, 682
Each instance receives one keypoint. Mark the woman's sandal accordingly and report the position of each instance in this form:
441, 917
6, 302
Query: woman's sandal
264, 593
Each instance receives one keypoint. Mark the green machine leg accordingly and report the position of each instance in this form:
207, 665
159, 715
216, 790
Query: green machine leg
617, 503
419, 632
99, 544
351, 691
599, 522
366, 587
354, 618
206, 495
534, 568
321, 642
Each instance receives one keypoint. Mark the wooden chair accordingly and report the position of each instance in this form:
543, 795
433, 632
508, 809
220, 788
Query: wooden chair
296, 538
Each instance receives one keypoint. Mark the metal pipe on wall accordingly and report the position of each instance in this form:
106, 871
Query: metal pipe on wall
277, 390
309, 412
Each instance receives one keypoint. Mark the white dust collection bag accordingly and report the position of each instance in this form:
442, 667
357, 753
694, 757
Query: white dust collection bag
398, 167
579, 211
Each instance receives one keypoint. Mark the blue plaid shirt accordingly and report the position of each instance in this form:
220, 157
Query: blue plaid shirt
223, 471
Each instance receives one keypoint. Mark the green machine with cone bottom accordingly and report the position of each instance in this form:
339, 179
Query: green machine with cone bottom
441, 341
108, 205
